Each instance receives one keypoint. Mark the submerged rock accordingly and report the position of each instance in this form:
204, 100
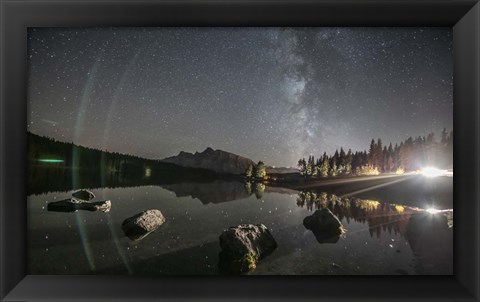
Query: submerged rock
431, 241
243, 246
83, 195
326, 227
423, 222
72, 205
142, 224
424, 227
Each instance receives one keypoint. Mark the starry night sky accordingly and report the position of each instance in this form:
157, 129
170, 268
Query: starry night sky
271, 94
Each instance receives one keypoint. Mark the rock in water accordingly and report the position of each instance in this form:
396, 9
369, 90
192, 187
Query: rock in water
142, 224
66, 205
326, 227
247, 238
72, 205
425, 229
83, 195
423, 222
431, 240
103, 206
242, 247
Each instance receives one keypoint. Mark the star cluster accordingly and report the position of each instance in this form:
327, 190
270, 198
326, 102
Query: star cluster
271, 94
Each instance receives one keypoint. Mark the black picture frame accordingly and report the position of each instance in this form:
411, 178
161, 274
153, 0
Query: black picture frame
17, 16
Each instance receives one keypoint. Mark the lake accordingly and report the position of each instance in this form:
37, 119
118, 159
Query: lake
380, 237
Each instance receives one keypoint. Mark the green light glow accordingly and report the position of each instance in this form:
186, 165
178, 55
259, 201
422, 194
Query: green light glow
48, 160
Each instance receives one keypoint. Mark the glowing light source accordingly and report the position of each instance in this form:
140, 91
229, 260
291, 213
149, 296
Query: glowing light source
50, 160
432, 172
399, 208
433, 211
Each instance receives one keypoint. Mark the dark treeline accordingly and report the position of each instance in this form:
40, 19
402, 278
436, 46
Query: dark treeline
48, 152
410, 155
55, 165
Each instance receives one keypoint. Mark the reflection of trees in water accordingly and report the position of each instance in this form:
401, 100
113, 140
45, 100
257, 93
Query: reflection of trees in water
380, 217
259, 189
62, 179
183, 182
256, 188
216, 191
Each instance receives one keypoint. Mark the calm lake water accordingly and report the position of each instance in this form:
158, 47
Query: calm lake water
378, 238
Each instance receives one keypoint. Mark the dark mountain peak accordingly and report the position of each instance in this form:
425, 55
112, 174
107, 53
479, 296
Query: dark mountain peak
216, 160
183, 153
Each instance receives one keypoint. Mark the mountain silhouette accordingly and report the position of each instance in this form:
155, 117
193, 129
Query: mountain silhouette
215, 160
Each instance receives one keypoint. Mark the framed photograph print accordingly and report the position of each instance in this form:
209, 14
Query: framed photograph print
239, 150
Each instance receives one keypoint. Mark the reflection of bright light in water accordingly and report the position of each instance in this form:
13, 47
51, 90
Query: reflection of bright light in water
432, 172
432, 211
395, 180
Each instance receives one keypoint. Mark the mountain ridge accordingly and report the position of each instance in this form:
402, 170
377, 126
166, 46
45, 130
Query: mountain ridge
219, 161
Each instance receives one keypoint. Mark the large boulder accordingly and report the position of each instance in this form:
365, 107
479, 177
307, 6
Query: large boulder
422, 222
72, 205
431, 241
424, 227
142, 224
243, 246
326, 227
83, 195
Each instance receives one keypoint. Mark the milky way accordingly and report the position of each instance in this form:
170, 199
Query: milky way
271, 94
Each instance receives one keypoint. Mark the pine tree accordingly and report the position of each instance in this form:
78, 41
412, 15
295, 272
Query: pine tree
336, 157
333, 170
310, 165
444, 137
324, 167
249, 171
348, 162
389, 166
371, 153
342, 156
261, 170
302, 166
431, 138
379, 155
450, 139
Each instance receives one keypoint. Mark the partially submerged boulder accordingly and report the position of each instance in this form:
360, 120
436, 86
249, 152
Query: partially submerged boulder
103, 206
142, 224
431, 240
243, 246
422, 222
326, 227
423, 225
72, 205
83, 195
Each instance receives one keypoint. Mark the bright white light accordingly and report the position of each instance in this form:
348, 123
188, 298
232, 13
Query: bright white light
432, 172
449, 173
432, 211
